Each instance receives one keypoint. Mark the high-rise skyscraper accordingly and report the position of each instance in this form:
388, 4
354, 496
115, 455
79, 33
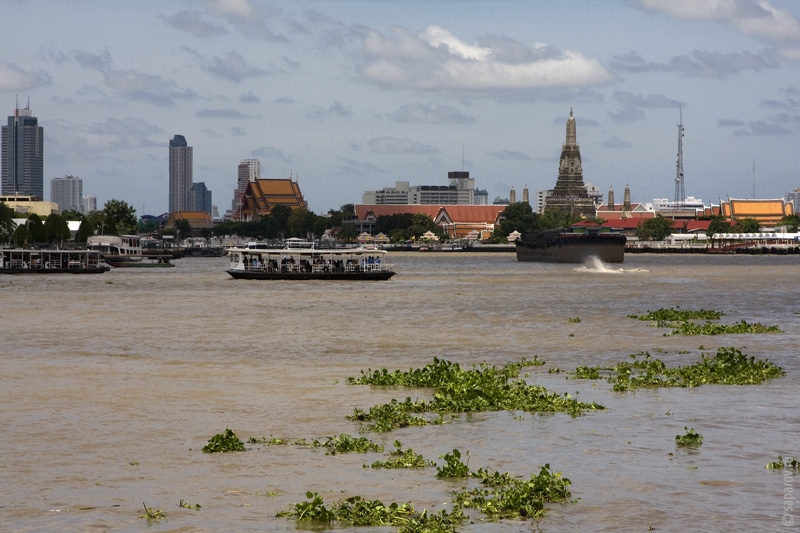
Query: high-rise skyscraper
88, 204
201, 198
23, 155
180, 174
67, 192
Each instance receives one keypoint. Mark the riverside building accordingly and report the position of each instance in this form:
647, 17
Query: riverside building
570, 192
180, 173
67, 192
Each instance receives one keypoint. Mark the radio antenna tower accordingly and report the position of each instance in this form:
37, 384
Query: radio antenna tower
680, 193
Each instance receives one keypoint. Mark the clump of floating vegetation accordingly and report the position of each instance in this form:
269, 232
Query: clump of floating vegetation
187, 505
691, 439
224, 442
401, 458
500, 496
484, 388
680, 321
453, 467
343, 443
153, 515
346, 444
360, 512
790, 463
508, 497
674, 315
729, 366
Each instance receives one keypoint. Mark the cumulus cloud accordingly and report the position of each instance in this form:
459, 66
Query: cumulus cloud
13, 78
760, 19
627, 116
249, 18
268, 152
132, 84
697, 64
430, 114
193, 23
233, 67
395, 145
249, 98
111, 134
649, 101
433, 59
351, 167
508, 155
336, 109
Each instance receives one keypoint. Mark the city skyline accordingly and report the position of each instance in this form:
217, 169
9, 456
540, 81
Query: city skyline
350, 96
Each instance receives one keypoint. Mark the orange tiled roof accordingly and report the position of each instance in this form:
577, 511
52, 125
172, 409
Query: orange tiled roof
363, 211
762, 210
264, 194
198, 219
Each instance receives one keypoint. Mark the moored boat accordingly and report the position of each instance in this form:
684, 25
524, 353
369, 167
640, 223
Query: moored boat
126, 251
572, 245
19, 261
302, 261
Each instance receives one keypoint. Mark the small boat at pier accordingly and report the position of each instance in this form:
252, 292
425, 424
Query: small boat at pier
300, 260
19, 261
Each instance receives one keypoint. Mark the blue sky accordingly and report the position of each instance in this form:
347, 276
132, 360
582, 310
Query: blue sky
355, 95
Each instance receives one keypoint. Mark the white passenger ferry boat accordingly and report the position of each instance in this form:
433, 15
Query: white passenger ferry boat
300, 260
24, 261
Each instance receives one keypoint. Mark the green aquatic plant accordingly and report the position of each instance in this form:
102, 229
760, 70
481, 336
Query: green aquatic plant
187, 505
790, 463
403, 459
346, 444
360, 512
508, 497
729, 366
224, 442
483, 388
690, 439
153, 515
453, 467
575, 320
677, 314
709, 328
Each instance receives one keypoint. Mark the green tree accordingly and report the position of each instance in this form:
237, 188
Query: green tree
7, 225
122, 215
85, 231
182, 228
519, 217
347, 232
299, 222
555, 217
792, 223
654, 229
22, 236
56, 229
36, 228
747, 225
71, 214
718, 225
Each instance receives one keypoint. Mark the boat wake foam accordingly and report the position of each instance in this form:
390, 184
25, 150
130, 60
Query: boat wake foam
594, 264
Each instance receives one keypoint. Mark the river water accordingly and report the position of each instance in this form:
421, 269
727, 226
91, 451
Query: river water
110, 386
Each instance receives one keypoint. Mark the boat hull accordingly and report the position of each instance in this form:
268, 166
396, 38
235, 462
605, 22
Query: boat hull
353, 276
79, 270
609, 249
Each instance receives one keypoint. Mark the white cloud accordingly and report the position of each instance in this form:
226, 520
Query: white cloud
430, 114
13, 78
435, 60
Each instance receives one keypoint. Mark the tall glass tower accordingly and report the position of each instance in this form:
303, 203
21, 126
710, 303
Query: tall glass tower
180, 174
23, 155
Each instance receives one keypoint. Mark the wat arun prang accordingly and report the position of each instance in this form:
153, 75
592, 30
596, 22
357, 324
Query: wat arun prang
570, 193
